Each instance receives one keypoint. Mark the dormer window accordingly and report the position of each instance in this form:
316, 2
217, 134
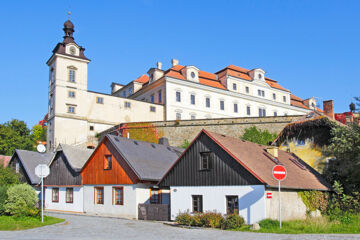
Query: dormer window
193, 75
260, 76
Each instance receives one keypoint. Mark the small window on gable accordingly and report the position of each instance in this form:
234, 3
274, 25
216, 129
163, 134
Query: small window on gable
107, 162
205, 160
17, 167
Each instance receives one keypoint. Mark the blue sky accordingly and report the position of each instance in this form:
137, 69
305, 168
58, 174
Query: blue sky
309, 47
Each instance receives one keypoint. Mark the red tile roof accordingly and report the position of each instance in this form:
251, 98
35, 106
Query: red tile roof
297, 102
4, 160
142, 79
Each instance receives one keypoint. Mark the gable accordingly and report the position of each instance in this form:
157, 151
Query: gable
224, 169
94, 172
22, 172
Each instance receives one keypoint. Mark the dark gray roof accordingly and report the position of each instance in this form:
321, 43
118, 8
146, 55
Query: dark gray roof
149, 161
30, 160
76, 156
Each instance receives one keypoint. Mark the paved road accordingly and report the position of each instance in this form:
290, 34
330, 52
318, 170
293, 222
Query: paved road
87, 227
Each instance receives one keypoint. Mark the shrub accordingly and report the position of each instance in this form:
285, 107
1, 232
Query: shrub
3, 197
233, 221
212, 219
269, 223
21, 200
184, 219
8, 176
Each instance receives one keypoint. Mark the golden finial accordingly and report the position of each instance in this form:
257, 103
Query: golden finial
69, 13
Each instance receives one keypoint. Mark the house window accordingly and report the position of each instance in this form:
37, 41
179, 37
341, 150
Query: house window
99, 100
248, 110
262, 112
91, 128
232, 204
261, 93
71, 109
118, 196
207, 100
127, 104
205, 160
300, 142
192, 117
178, 96
178, 116
234, 86
71, 75
71, 94
55, 194
69, 195
99, 195
284, 99
152, 109
274, 96
130, 90
222, 105
192, 99
247, 89
159, 96
235, 107
17, 167
275, 114
124, 94
107, 162
155, 196
197, 203
152, 98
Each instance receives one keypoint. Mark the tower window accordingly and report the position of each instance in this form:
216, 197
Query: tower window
99, 100
71, 75
127, 104
207, 100
178, 96
71, 109
71, 94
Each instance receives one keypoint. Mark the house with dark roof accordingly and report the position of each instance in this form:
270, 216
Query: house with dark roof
63, 186
226, 174
122, 173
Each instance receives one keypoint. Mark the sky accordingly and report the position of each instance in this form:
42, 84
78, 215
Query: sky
310, 47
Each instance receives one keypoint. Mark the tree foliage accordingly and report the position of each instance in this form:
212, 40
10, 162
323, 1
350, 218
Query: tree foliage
21, 200
15, 135
39, 133
253, 134
8, 176
185, 144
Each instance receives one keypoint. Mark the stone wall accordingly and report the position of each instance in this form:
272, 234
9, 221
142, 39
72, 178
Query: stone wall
180, 130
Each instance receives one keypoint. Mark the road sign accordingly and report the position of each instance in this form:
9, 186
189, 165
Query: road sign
279, 172
268, 195
41, 148
42, 170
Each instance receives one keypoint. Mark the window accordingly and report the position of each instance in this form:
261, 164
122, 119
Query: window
71, 75
205, 158
207, 100
118, 196
284, 99
262, 112
232, 204
234, 86
274, 96
69, 195
247, 89
192, 117
235, 107
107, 162
124, 94
197, 203
178, 116
130, 90
192, 99
178, 96
275, 114
127, 104
248, 110
155, 196
261, 93
55, 194
152, 109
159, 96
91, 128
100, 100
300, 142
152, 98
17, 167
99, 195
71, 109
71, 94
52, 75
222, 105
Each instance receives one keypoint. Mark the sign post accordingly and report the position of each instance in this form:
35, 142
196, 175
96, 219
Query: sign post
279, 173
42, 170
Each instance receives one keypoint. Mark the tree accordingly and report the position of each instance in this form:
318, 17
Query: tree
39, 133
8, 176
253, 134
345, 165
185, 144
15, 135
21, 200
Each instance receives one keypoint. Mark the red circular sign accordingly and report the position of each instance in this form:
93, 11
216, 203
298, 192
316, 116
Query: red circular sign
279, 172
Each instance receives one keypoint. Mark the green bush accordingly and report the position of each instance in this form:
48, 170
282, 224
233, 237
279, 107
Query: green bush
8, 176
3, 197
21, 200
212, 219
269, 223
233, 221
184, 219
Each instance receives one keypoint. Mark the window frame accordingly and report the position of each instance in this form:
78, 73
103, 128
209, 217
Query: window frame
222, 105
57, 195
284, 99
262, 112
121, 196
274, 96
178, 96
72, 195
208, 156
198, 199
109, 163
96, 195
160, 96
158, 196
231, 209
72, 75
152, 108
236, 108
192, 99
71, 94
152, 98
127, 104
207, 102
71, 107
247, 89
248, 110
98, 100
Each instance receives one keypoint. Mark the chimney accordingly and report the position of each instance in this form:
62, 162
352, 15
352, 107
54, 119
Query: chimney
164, 141
273, 150
174, 62
329, 108
158, 65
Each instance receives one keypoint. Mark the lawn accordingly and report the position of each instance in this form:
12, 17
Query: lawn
312, 225
19, 223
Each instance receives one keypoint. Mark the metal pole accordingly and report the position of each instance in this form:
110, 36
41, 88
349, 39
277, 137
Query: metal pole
42, 199
279, 206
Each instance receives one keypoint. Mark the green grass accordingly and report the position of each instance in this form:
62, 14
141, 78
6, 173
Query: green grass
9, 223
312, 225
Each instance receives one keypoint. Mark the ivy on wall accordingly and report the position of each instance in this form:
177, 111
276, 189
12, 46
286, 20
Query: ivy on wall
142, 132
315, 200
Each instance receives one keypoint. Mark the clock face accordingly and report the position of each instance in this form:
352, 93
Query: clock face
72, 50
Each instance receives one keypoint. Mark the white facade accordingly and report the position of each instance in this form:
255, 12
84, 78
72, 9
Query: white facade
61, 205
252, 206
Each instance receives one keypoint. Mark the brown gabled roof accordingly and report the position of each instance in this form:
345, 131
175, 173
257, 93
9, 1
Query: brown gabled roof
259, 163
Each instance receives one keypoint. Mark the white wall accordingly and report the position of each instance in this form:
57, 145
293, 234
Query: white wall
251, 200
76, 206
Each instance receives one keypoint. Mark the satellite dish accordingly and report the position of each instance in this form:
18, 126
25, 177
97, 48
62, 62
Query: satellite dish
41, 148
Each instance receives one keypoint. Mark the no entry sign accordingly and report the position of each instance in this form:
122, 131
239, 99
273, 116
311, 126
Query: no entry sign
279, 172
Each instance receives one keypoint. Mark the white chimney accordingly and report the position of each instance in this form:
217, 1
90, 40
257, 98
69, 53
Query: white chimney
174, 62
158, 65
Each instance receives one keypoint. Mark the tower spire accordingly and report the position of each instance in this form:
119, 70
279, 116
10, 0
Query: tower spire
68, 30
